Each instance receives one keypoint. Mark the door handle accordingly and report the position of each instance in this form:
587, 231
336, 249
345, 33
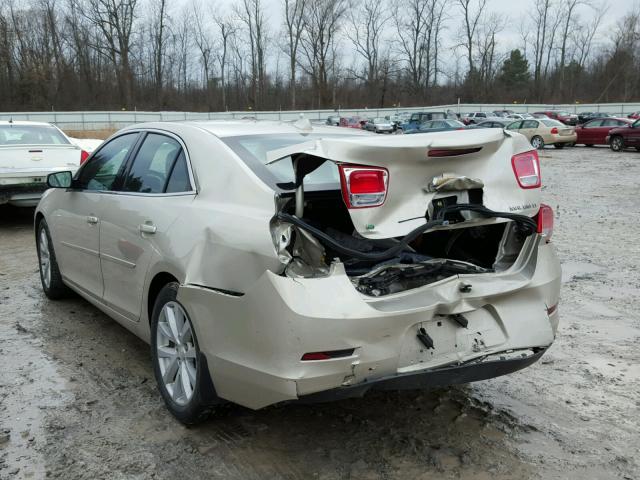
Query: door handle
147, 228
92, 220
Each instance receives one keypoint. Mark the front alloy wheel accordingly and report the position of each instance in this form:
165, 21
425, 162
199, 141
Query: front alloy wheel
50, 276
617, 144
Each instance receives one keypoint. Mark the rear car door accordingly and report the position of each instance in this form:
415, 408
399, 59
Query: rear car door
156, 187
76, 226
632, 136
590, 131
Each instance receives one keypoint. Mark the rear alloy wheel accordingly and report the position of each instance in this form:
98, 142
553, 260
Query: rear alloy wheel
617, 144
559, 145
50, 276
537, 142
180, 369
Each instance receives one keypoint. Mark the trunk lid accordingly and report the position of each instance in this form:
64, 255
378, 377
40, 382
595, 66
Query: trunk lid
413, 173
16, 158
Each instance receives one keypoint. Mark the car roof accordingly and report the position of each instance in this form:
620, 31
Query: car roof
234, 128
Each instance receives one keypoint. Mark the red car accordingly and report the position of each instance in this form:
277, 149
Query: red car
350, 122
561, 115
625, 137
634, 115
595, 132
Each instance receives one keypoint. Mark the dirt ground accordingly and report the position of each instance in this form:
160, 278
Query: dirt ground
78, 399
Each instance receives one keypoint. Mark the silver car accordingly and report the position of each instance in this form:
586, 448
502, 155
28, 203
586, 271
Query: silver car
269, 262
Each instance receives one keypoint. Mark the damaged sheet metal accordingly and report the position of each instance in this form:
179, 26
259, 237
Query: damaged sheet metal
410, 168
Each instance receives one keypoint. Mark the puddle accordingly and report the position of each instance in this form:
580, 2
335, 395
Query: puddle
29, 386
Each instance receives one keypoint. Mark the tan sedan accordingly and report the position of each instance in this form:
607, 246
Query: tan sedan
545, 131
268, 262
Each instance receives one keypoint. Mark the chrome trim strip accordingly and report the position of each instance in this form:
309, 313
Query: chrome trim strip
117, 260
82, 249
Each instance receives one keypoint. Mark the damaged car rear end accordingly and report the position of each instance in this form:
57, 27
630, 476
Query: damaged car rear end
405, 262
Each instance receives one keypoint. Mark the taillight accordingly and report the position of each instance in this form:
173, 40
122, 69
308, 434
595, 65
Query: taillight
545, 221
83, 156
363, 187
554, 131
526, 166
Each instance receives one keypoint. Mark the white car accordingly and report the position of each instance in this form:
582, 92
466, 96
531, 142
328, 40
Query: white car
270, 262
520, 116
29, 151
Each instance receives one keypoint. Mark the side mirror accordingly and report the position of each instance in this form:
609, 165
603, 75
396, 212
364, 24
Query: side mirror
59, 179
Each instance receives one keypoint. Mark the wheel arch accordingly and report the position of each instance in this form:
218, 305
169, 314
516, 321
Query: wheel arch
159, 280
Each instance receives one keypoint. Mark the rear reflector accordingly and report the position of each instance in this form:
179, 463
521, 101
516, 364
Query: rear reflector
526, 166
327, 355
83, 156
363, 187
452, 152
545, 221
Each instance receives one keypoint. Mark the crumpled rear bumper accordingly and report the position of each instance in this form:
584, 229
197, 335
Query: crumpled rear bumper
473, 371
254, 343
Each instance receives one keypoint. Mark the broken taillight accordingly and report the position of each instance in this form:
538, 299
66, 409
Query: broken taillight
545, 221
363, 187
526, 166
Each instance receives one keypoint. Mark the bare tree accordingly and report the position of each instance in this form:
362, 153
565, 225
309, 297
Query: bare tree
294, 15
251, 13
322, 19
227, 29
114, 19
366, 30
472, 17
158, 31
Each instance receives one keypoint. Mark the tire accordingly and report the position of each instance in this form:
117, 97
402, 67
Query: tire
559, 146
590, 145
50, 277
617, 144
193, 399
537, 142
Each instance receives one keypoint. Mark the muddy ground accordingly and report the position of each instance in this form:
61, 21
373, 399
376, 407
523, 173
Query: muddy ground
78, 399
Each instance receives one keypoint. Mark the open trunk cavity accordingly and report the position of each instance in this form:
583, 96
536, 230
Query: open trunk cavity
451, 249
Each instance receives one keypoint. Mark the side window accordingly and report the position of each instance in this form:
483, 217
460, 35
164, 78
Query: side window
514, 126
153, 164
594, 124
101, 171
179, 179
529, 124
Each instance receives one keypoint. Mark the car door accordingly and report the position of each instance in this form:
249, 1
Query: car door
590, 131
632, 136
157, 186
529, 128
76, 225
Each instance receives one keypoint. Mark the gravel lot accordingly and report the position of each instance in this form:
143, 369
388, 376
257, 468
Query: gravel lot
78, 398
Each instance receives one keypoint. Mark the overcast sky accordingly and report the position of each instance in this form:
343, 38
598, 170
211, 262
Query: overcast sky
510, 37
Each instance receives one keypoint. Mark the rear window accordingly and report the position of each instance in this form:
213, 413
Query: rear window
552, 123
252, 149
31, 135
